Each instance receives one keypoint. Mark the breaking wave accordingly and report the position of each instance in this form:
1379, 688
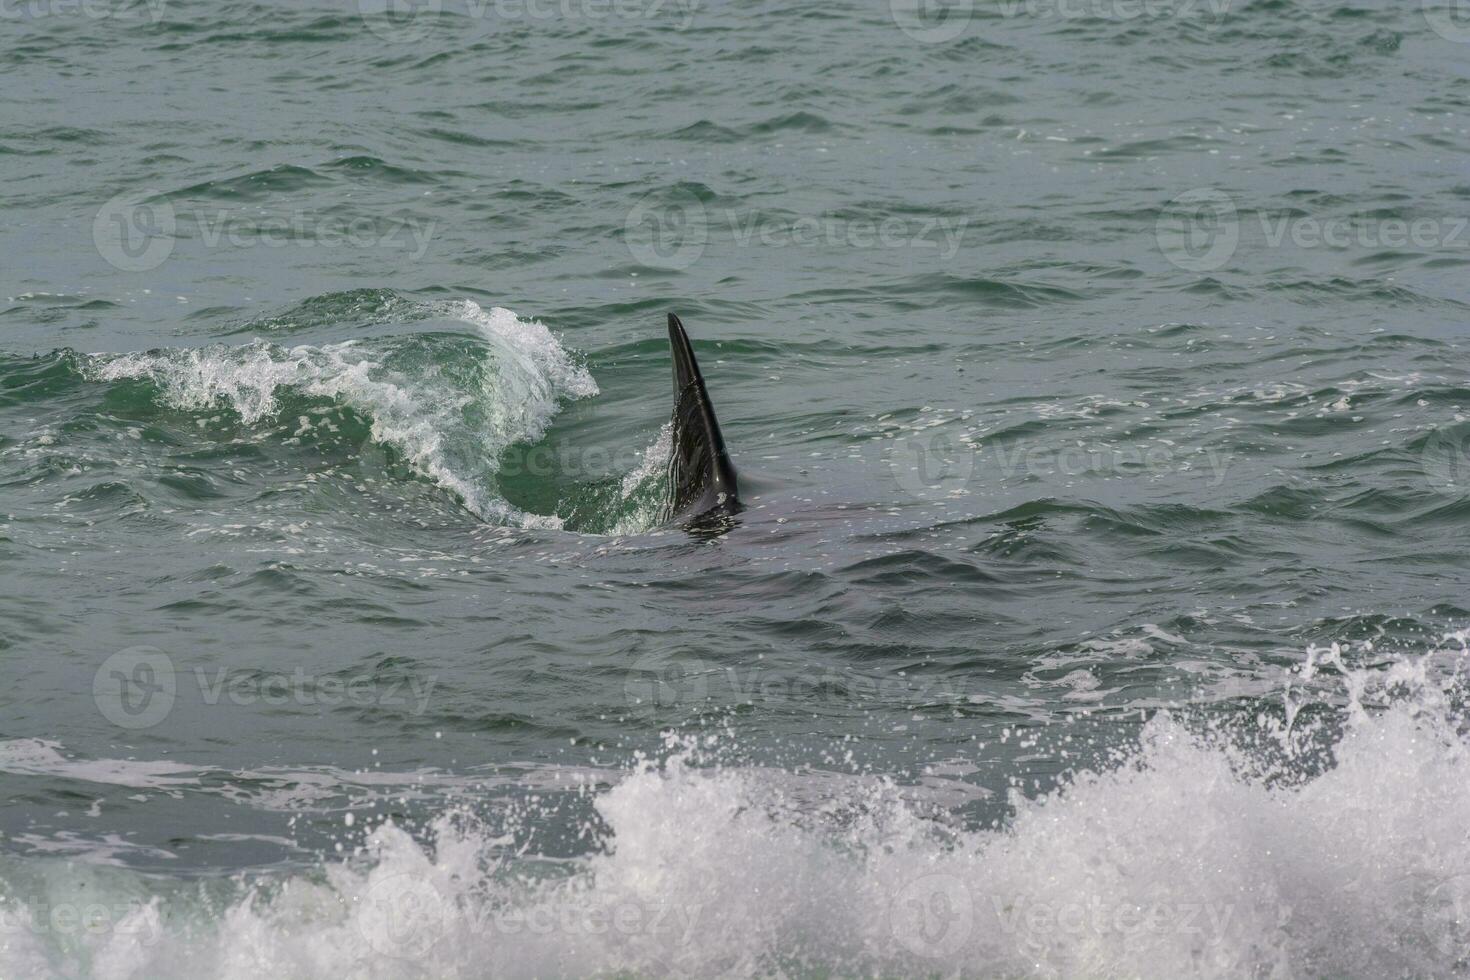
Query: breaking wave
1280, 847
447, 403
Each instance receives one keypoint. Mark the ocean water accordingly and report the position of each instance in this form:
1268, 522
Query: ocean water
1096, 372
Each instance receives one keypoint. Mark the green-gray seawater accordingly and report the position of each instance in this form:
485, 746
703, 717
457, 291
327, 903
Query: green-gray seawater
1096, 375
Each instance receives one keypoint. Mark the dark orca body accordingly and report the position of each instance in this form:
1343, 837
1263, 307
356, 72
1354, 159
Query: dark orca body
702, 488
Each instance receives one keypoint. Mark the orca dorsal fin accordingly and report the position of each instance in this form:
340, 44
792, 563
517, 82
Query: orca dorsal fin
701, 477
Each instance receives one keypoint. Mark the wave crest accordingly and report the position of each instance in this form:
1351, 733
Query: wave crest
449, 404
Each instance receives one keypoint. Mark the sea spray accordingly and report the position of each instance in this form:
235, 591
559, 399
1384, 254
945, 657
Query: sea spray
1176, 858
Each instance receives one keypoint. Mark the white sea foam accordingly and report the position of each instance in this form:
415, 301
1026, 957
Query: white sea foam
414, 408
279, 788
643, 494
40, 757
1189, 857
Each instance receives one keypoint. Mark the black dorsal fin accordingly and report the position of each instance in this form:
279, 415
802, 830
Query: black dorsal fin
701, 478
